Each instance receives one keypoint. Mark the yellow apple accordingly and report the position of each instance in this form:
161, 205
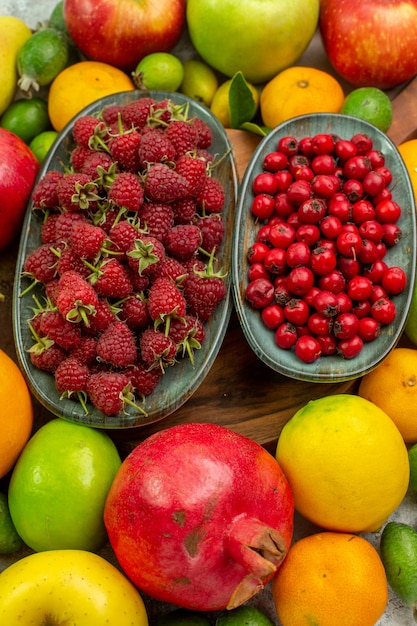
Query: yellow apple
63, 587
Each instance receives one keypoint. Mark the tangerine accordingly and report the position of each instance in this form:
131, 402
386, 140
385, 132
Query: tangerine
297, 91
79, 85
16, 413
331, 452
392, 386
325, 579
408, 152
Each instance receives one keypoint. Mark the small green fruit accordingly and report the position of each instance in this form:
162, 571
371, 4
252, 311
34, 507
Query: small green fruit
10, 541
183, 617
398, 550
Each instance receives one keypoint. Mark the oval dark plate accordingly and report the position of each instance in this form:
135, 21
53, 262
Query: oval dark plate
180, 381
327, 368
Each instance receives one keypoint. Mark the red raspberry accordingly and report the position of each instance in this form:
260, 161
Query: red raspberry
48, 229
47, 359
171, 268
68, 259
123, 235
85, 351
85, 128
40, 264
184, 210
184, 135
64, 223
204, 133
203, 291
97, 164
102, 318
194, 170
44, 193
145, 254
212, 230
124, 149
157, 218
163, 184
211, 198
188, 333
109, 392
135, 114
87, 240
116, 345
71, 377
143, 379
165, 301
155, 147
76, 191
78, 157
59, 330
183, 241
110, 113
111, 280
126, 191
134, 311
156, 349
76, 298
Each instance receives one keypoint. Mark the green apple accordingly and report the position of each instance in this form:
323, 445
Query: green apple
59, 485
257, 37
63, 587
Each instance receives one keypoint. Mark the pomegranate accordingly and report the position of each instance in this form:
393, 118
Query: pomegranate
18, 170
200, 516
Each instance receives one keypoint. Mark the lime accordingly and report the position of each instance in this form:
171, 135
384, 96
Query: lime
199, 82
41, 144
410, 328
26, 118
183, 617
159, 71
244, 615
370, 104
398, 550
9, 539
41, 59
412, 458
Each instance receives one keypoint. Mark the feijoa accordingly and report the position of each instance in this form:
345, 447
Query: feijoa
42, 57
398, 550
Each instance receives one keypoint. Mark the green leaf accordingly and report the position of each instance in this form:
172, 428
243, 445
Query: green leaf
241, 101
256, 129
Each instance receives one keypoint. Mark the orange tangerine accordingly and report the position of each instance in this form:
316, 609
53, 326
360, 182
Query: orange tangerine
408, 151
299, 90
81, 84
330, 578
16, 413
392, 386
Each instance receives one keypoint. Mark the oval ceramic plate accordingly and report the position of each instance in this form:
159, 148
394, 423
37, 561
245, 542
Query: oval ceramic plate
327, 368
180, 381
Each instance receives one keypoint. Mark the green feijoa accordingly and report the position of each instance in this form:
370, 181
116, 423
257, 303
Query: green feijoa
42, 57
398, 550
9, 539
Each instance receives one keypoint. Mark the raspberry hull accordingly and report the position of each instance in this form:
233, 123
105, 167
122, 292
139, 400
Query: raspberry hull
116, 254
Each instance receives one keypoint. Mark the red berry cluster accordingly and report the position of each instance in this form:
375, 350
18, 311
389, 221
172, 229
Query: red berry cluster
130, 229
317, 270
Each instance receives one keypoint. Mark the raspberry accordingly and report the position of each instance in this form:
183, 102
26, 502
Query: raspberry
47, 359
76, 191
163, 184
155, 147
71, 376
188, 333
87, 239
145, 254
183, 241
157, 218
143, 379
95, 164
44, 194
184, 210
135, 114
101, 319
64, 224
126, 191
123, 235
211, 197
124, 150
76, 298
111, 280
156, 349
171, 268
165, 301
59, 330
212, 230
194, 170
110, 113
84, 129
203, 290
48, 229
204, 134
116, 345
183, 135
40, 264
109, 392
134, 311
85, 350
68, 259
78, 157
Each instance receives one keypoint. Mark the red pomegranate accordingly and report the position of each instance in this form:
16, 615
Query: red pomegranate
200, 516
18, 171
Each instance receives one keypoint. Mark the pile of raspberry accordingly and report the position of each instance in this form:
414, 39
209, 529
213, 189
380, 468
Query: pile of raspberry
126, 265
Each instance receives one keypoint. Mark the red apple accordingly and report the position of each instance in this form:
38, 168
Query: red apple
18, 170
371, 43
122, 32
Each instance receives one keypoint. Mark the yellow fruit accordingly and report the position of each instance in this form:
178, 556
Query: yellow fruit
220, 106
81, 84
408, 151
330, 578
299, 91
346, 463
199, 82
13, 34
16, 413
392, 386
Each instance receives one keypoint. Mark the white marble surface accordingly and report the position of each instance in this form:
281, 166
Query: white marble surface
396, 614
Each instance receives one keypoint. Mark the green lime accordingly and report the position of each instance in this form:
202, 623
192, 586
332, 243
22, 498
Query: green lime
183, 617
42, 57
26, 118
199, 82
159, 71
244, 615
41, 144
370, 104
412, 458
398, 550
9, 539
410, 328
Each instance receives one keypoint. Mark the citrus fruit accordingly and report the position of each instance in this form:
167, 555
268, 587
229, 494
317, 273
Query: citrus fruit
299, 90
412, 459
159, 71
183, 617
331, 451
398, 548
41, 144
245, 615
408, 152
13, 34
41, 58
370, 104
392, 386
9, 539
410, 328
330, 578
81, 84
199, 82
16, 413
220, 104
26, 118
